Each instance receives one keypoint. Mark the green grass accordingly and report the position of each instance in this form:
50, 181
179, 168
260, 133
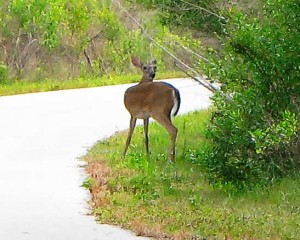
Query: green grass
155, 198
20, 87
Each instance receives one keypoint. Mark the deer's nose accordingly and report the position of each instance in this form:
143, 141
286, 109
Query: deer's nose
152, 74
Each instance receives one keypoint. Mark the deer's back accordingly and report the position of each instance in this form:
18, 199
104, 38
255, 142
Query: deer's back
151, 98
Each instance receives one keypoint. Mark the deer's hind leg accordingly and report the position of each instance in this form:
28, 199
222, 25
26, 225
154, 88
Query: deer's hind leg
130, 132
165, 120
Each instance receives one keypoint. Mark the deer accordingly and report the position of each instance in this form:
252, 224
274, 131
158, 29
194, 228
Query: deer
159, 100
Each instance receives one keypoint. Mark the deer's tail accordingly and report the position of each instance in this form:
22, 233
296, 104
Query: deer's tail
177, 101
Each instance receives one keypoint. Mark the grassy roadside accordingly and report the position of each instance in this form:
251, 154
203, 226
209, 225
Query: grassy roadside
21, 87
155, 198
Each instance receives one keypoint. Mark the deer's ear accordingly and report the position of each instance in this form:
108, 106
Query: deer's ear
136, 62
153, 61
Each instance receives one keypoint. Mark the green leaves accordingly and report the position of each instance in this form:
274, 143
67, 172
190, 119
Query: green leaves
37, 17
195, 14
65, 39
256, 136
277, 135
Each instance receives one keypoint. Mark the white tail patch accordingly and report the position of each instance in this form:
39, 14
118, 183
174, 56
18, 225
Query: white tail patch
176, 104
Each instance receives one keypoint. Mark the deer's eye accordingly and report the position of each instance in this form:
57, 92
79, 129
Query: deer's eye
145, 68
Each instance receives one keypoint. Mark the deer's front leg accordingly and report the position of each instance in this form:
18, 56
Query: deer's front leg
131, 129
146, 125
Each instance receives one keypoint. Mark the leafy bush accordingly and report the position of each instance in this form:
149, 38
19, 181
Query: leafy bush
192, 14
255, 137
3, 73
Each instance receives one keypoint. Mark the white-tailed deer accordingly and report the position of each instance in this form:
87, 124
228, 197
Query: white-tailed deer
158, 100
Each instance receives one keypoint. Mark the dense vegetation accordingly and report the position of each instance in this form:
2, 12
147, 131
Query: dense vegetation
205, 18
61, 39
189, 14
255, 137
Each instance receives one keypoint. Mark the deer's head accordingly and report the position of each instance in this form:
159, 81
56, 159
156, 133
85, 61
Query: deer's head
148, 70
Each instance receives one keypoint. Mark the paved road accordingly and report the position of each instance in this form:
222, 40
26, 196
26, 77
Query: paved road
41, 137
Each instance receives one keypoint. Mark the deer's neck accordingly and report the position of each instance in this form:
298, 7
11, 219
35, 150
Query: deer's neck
146, 79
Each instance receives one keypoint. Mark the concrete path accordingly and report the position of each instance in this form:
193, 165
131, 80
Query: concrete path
41, 137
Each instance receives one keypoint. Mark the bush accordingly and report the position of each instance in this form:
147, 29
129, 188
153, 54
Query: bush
3, 73
255, 137
193, 14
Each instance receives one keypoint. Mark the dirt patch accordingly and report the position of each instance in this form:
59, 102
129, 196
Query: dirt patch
99, 173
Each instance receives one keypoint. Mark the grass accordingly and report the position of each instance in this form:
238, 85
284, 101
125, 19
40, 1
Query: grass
155, 198
21, 87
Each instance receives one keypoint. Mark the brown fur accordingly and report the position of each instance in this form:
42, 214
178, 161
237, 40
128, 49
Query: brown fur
151, 99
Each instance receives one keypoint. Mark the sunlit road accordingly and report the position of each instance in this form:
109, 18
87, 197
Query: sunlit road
41, 137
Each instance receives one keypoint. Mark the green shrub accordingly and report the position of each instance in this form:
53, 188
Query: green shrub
255, 137
194, 14
3, 73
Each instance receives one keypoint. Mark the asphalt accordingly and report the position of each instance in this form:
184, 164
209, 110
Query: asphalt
42, 136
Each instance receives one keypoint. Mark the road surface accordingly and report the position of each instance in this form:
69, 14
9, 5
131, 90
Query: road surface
42, 135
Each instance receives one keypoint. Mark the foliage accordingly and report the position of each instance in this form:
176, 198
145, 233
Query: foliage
255, 137
3, 73
201, 15
175, 201
61, 39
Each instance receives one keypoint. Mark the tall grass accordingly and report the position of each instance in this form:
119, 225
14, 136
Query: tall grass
175, 201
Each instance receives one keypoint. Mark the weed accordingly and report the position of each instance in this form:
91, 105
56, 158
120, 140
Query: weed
87, 183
